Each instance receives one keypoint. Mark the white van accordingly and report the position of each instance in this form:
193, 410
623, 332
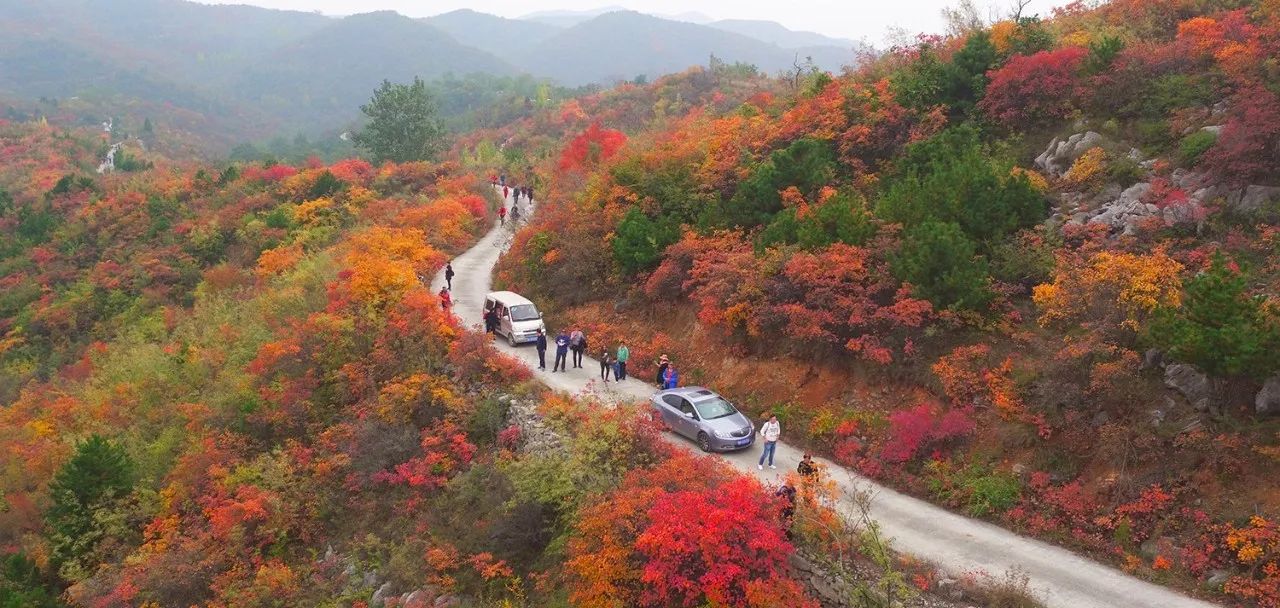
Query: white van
518, 319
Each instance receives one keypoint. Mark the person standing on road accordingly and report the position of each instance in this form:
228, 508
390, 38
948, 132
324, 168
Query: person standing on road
671, 379
562, 352
502, 215
515, 195
606, 364
445, 300
448, 275
577, 343
663, 364
541, 343
770, 430
515, 213
624, 353
502, 179
528, 193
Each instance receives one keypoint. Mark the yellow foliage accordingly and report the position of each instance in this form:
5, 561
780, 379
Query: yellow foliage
1002, 35
1076, 38
1110, 284
313, 212
1088, 168
1036, 180
385, 263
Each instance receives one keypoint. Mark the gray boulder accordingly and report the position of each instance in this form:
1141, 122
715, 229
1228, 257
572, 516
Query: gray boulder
1252, 199
1192, 383
1057, 158
1267, 403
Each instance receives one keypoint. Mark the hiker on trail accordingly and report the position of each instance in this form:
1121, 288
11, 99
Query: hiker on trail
606, 364
623, 354
448, 275
787, 496
577, 343
663, 364
445, 299
672, 379
562, 352
541, 343
493, 179
505, 192
770, 430
528, 193
502, 179
515, 196
502, 215
515, 213
807, 468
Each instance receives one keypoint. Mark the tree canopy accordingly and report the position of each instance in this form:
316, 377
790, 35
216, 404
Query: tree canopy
403, 125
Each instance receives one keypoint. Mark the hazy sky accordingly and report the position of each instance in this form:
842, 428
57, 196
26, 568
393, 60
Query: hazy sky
857, 19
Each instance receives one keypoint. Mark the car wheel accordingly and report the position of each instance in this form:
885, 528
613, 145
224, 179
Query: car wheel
511, 339
704, 442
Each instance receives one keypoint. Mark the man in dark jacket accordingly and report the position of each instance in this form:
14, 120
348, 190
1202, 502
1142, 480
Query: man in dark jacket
562, 352
542, 350
448, 275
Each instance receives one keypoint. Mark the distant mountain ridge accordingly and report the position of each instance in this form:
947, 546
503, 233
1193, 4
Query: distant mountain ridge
266, 71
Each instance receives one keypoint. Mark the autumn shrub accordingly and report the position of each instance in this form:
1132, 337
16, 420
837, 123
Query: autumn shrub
917, 430
1033, 89
682, 534
1109, 291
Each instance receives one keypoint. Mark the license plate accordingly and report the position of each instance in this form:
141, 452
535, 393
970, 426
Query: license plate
744, 441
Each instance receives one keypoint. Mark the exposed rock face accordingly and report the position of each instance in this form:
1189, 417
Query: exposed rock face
535, 435
1057, 158
1267, 403
1252, 199
1192, 383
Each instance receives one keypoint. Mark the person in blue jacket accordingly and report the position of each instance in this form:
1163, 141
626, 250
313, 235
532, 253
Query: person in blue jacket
562, 352
672, 378
541, 343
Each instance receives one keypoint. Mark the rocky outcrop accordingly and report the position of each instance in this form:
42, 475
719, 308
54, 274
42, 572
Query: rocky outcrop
1252, 200
1267, 403
536, 436
1192, 383
1061, 153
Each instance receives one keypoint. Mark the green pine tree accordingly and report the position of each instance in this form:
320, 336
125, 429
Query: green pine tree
1220, 328
403, 124
98, 475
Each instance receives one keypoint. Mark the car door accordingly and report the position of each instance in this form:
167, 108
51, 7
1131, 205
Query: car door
688, 419
670, 409
504, 320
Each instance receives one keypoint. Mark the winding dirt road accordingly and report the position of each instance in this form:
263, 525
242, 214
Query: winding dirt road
957, 544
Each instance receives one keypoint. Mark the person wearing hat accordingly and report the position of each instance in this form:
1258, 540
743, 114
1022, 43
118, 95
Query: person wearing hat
663, 364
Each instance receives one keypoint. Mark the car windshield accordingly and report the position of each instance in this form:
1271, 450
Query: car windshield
715, 407
524, 312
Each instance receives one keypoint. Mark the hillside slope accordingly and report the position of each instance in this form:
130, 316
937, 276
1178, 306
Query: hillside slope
1028, 272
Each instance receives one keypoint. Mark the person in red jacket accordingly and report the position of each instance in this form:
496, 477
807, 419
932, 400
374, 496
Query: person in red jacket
502, 215
445, 299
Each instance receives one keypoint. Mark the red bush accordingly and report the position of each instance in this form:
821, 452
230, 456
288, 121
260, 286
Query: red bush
1033, 88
